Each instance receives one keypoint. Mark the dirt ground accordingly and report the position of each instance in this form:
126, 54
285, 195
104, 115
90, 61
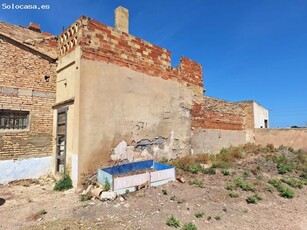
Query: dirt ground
37, 206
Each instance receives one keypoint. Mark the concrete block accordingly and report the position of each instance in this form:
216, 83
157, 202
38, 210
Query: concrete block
108, 196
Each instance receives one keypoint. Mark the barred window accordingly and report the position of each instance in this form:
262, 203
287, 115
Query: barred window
13, 119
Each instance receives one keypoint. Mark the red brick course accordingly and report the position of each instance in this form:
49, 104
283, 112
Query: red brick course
103, 43
211, 113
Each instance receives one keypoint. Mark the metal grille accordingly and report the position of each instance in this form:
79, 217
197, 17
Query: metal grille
13, 119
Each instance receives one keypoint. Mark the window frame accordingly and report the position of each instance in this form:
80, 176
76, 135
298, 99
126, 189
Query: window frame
13, 117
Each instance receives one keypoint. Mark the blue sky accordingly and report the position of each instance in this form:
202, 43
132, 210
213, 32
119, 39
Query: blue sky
249, 49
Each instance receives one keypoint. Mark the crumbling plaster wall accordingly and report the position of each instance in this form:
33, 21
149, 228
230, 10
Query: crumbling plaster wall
117, 103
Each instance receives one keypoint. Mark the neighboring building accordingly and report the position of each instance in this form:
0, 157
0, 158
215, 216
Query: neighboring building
27, 92
256, 115
114, 97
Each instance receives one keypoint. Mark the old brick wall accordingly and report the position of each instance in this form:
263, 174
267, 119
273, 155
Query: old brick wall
103, 43
212, 113
27, 82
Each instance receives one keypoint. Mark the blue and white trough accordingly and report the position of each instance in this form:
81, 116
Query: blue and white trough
151, 173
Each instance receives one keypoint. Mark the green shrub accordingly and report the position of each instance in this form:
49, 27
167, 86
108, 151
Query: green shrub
303, 178
258, 196
85, 197
246, 174
217, 218
199, 214
284, 168
234, 194
195, 168
231, 186
283, 190
198, 183
173, 222
253, 199
293, 183
303, 175
107, 185
189, 226
223, 151
164, 192
287, 193
239, 182
64, 183
226, 172
210, 171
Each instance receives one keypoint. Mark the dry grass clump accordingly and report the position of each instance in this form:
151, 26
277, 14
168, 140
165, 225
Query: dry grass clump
191, 161
37, 215
227, 157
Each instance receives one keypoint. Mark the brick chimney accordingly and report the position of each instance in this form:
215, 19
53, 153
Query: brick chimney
34, 27
122, 19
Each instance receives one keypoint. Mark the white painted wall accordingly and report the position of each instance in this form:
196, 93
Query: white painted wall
260, 114
24, 169
74, 169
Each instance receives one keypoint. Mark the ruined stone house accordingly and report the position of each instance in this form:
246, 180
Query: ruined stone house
97, 93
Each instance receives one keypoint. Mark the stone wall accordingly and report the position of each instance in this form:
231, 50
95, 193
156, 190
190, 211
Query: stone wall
27, 83
212, 113
295, 138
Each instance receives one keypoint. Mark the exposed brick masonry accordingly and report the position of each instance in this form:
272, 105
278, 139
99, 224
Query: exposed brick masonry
211, 113
44, 43
27, 82
103, 43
